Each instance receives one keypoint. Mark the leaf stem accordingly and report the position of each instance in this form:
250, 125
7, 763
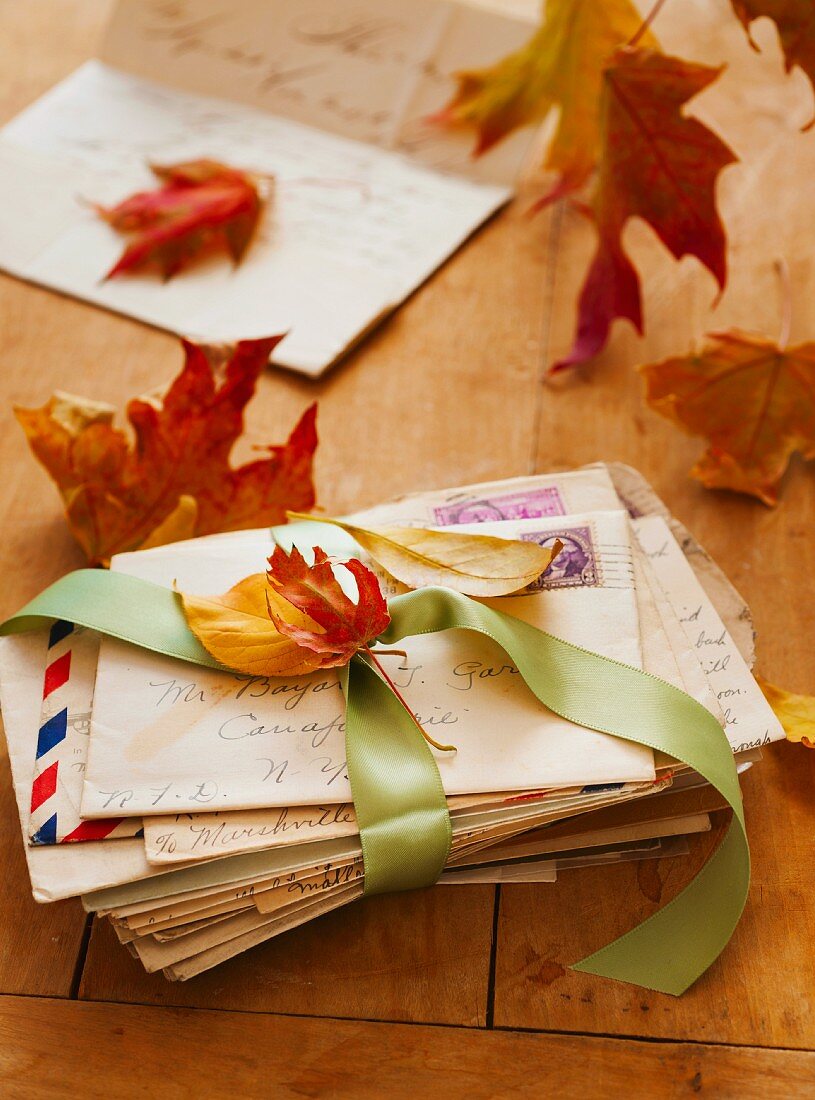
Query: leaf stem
405, 704
646, 23
783, 272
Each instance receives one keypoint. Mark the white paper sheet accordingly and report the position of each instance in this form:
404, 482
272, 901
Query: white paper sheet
327, 97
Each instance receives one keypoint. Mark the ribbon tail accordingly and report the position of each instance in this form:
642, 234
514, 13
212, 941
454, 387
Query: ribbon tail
671, 949
400, 803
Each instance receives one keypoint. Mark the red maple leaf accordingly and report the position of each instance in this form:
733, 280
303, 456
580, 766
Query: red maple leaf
656, 164
117, 493
201, 207
313, 589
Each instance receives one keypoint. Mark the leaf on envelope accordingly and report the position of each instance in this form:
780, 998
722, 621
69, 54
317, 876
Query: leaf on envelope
658, 164
296, 620
179, 525
121, 494
343, 626
753, 401
237, 629
477, 565
201, 207
796, 713
560, 67
795, 20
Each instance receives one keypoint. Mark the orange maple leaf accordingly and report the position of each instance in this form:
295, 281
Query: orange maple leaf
201, 207
753, 401
346, 627
558, 68
656, 164
795, 21
119, 495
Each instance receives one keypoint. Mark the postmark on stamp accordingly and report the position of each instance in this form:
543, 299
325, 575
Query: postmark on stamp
530, 504
576, 566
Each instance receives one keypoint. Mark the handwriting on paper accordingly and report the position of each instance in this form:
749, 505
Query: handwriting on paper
212, 833
748, 720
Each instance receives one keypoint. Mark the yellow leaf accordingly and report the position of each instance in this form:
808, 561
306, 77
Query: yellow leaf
237, 630
796, 713
477, 565
179, 525
560, 66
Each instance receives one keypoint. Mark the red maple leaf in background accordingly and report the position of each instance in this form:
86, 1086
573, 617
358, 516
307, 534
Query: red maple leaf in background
201, 207
176, 478
656, 164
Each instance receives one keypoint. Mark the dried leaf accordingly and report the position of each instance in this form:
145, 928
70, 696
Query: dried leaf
795, 20
796, 713
753, 401
117, 494
560, 67
238, 631
201, 207
477, 565
656, 164
179, 525
343, 627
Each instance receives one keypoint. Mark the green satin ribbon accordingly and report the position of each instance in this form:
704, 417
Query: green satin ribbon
397, 790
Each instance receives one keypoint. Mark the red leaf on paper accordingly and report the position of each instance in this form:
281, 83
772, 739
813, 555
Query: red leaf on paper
753, 401
119, 494
795, 20
201, 207
656, 164
315, 591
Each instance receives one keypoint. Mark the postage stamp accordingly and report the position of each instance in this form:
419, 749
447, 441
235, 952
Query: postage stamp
531, 504
576, 566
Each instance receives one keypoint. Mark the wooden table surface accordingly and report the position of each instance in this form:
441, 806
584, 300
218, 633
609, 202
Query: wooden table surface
451, 390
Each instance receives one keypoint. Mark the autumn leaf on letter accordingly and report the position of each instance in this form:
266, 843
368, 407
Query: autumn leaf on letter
477, 565
753, 401
174, 480
201, 207
344, 626
309, 622
657, 164
796, 713
237, 629
795, 20
560, 67
294, 619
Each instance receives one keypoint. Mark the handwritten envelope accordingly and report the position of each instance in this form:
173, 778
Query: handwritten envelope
666, 653
329, 96
168, 738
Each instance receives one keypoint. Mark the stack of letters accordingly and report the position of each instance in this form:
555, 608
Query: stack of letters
204, 812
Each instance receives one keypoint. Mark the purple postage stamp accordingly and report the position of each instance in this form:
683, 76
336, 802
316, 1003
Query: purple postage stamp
576, 566
531, 504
